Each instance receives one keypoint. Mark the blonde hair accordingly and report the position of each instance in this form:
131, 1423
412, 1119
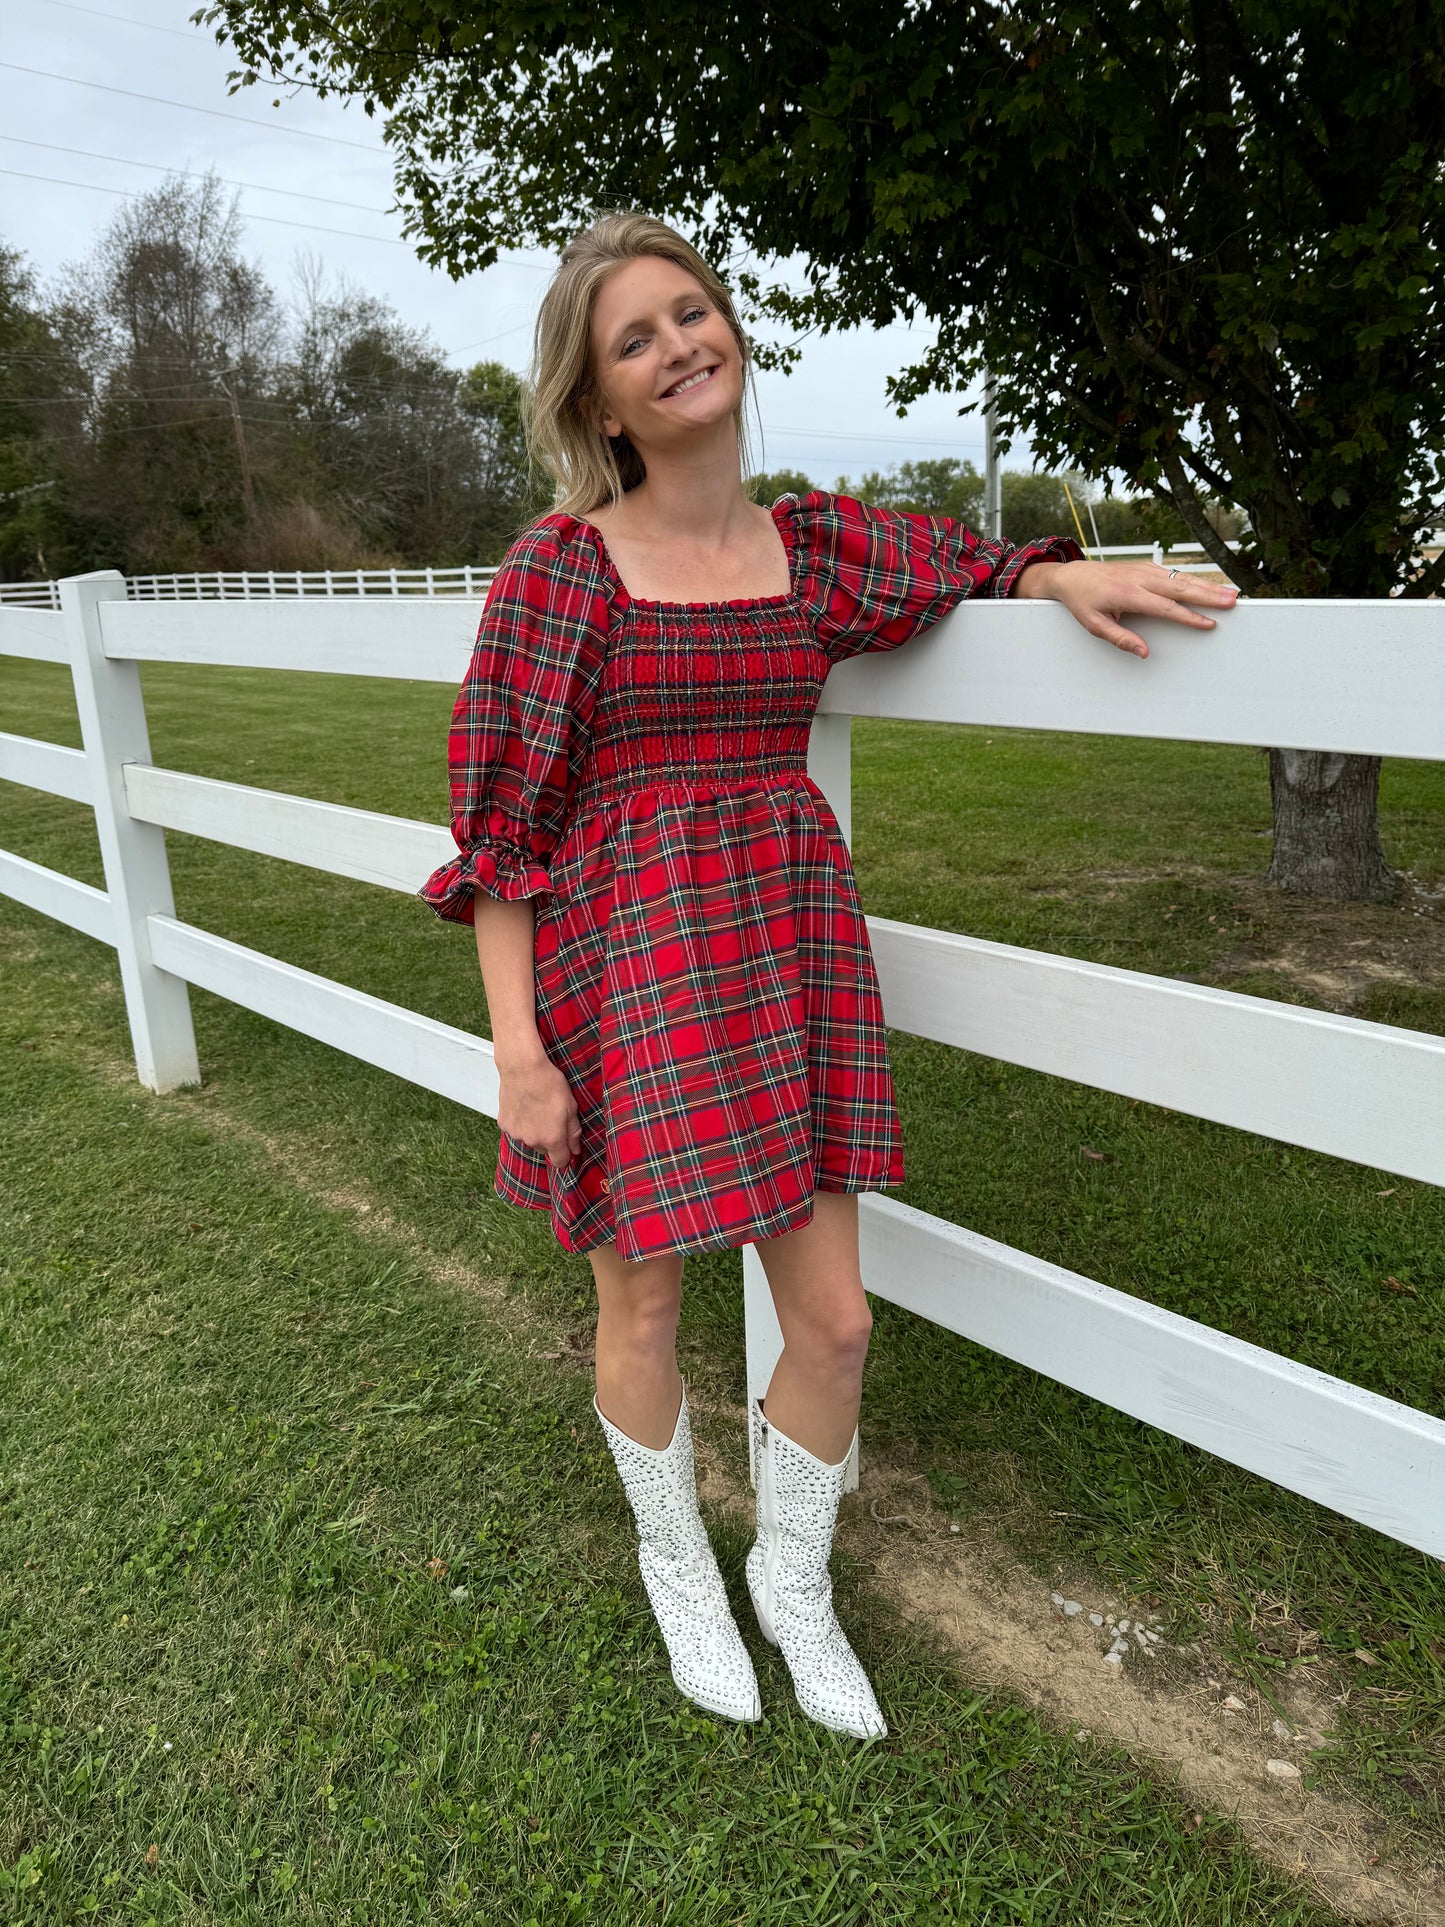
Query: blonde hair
561, 396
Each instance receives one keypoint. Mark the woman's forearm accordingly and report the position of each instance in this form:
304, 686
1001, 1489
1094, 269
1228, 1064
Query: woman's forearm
506, 934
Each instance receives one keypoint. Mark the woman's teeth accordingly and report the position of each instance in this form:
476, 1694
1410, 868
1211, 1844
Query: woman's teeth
681, 388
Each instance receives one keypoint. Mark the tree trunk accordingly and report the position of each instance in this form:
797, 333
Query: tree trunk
1326, 829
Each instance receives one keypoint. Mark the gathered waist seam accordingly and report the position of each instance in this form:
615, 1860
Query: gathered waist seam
587, 801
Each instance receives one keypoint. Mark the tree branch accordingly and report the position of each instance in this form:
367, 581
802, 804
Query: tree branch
1187, 506
1206, 472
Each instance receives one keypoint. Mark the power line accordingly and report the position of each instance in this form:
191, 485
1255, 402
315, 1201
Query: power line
189, 107
125, 19
910, 441
154, 167
276, 220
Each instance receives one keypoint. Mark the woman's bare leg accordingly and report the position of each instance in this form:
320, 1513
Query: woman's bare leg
639, 1387
817, 1289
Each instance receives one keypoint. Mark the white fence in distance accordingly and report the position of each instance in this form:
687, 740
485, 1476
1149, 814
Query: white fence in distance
257, 585
1367, 677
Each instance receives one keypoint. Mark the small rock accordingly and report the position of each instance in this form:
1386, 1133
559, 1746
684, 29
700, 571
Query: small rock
1280, 1730
1057, 1597
1112, 1658
459, 1592
1111, 1602
1231, 1704
1282, 1769
955, 1526
1096, 1619
1123, 1625
1071, 1606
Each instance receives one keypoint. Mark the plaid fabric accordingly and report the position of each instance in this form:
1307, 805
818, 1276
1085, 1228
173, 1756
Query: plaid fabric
703, 973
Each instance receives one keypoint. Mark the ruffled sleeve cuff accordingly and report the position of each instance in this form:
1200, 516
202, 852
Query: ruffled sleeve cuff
1054, 548
503, 870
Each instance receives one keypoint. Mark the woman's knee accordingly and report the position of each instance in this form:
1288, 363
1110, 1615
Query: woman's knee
835, 1344
641, 1302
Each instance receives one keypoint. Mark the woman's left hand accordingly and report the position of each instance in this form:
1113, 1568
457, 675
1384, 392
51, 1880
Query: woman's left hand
1096, 594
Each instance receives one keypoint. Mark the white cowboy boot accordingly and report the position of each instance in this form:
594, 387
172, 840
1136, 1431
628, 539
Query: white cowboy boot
710, 1663
797, 1505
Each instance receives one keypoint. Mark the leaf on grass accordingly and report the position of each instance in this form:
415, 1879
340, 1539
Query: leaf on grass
1367, 1659
153, 1854
1098, 1157
438, 1568
1394, 1284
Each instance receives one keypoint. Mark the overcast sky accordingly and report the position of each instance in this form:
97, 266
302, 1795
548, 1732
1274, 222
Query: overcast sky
315, 178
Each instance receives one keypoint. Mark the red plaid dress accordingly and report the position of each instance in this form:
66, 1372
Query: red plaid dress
703, 973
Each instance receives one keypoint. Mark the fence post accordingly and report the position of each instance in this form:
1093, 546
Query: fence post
830, 764
137, 875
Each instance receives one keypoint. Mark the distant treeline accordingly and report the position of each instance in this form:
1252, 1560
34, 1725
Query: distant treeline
164, 409
1032, 504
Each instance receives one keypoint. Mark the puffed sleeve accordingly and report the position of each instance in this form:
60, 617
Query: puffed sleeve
521, 723
871, 578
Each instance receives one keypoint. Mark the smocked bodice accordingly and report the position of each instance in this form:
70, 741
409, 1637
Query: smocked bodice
689, 694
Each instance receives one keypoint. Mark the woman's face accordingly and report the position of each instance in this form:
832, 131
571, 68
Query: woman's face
667, 366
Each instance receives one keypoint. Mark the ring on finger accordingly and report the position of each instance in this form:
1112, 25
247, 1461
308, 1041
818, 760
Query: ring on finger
1172, 573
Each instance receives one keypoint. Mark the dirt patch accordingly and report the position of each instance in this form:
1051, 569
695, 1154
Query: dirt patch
1338, 953
1182, 1710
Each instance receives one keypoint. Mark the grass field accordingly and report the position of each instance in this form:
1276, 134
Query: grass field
240, 1428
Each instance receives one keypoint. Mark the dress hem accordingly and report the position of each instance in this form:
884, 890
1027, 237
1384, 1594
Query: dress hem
696, 1247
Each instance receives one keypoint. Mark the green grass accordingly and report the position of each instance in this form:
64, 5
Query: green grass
204, 1354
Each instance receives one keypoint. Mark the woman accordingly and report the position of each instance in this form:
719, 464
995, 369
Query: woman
685, 1013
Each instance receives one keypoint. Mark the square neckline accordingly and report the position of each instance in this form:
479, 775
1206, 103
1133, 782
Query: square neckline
624, 596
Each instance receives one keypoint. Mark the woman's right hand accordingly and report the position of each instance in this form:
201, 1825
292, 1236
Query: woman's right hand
536, 1108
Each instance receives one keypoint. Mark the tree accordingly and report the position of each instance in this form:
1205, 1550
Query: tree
511, 493
1197, 242
940, 487
177, 335
40, 383
166, 411
768, 484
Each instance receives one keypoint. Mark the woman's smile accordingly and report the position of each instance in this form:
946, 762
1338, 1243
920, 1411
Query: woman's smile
688, 382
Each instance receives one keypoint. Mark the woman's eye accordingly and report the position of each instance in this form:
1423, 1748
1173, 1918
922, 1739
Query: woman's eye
694, 314
634, 342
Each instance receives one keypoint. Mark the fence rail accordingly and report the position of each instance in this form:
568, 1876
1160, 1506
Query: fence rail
1363, 676
259, 585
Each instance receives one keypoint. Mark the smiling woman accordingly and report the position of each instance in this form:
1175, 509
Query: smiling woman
685, 1011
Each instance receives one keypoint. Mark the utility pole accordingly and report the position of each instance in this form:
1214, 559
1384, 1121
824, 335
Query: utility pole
992, 484
247, 497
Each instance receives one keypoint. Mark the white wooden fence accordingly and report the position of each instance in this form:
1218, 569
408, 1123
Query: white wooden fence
1365, 677
257, 585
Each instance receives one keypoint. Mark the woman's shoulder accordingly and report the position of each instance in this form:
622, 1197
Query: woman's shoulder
553, 538
821, 505
554, 560
832, 530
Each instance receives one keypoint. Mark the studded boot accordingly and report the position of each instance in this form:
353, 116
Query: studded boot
797, 1505
710, 1663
